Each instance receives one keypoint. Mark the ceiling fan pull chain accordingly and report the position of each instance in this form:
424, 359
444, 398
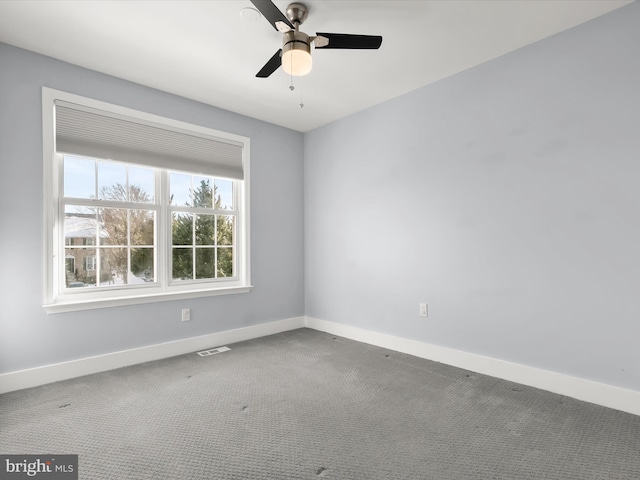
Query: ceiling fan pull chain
301, 105
291, 87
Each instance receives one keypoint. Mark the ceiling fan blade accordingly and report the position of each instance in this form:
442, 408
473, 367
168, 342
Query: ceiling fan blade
271, 13
344, 40
271, 66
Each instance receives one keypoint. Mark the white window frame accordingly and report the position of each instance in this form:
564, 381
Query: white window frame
57, 298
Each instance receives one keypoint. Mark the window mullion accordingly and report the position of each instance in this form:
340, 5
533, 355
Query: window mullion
59, 245
193, 246
128, 247
163, 258
98, 254
239, 245
95, 180
93, 203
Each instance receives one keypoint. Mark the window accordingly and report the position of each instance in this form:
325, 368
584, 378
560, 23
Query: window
90, 264
203, 222
140, 208
109, 222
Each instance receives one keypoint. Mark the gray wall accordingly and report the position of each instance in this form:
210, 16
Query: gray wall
28, 336
506, 197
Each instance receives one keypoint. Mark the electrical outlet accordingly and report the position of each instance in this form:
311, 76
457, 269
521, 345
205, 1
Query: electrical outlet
186, 314
424, 310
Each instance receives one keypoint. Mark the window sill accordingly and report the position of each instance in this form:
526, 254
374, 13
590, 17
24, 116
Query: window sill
91, 304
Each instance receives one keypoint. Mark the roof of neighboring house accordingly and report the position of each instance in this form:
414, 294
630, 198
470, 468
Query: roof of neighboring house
82, 226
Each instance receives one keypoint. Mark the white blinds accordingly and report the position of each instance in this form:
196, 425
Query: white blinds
97, 133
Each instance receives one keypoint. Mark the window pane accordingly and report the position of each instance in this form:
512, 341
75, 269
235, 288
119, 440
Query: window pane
225, 229
113, 264
79, 177
224, 194
205, 229
114, 226
225, 262
80, 267
142, 184
142, 265
80, 226
202, 192
205, 262
112, 181
182, 229
180, 189
182, 264
141, 225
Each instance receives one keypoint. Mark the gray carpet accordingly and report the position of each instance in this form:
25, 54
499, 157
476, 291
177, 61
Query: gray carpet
307, 405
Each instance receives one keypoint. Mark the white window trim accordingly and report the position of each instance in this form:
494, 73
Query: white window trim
53, 303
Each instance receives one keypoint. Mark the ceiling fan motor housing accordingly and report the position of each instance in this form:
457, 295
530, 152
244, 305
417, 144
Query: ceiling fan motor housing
297, 13
293, 40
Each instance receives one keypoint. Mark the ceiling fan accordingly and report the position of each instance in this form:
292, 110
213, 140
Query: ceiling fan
295, 54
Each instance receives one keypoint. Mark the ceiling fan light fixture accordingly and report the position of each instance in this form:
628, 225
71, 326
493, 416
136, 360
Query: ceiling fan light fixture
296, 54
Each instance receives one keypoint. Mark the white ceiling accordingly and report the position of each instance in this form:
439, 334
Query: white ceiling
205, 51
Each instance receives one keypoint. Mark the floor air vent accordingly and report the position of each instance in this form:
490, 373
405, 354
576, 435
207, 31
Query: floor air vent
213, 351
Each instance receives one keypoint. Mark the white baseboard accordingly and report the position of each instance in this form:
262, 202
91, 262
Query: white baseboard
581, 389
84, 366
